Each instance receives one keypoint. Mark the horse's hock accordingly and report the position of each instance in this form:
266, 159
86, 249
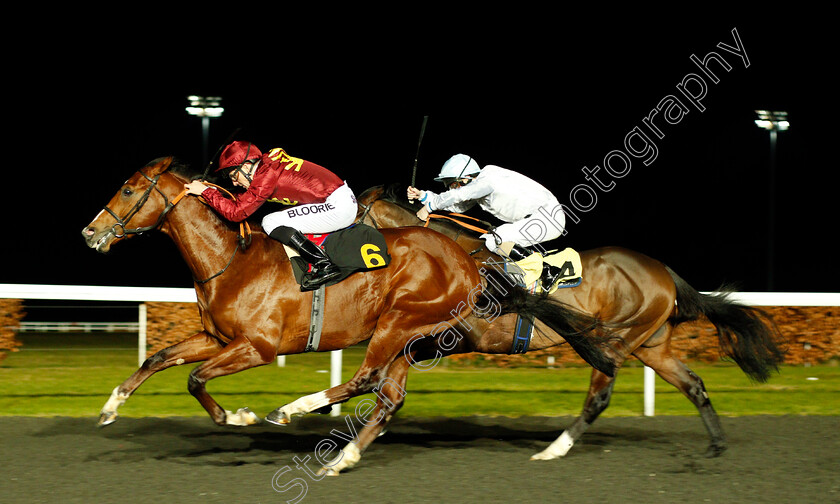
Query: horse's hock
812, 333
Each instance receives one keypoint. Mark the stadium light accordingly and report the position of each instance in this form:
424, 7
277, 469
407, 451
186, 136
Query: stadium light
205, 107
202, 106
772, 120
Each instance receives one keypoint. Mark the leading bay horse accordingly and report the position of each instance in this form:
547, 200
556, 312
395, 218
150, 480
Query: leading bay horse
640, 299
252, 309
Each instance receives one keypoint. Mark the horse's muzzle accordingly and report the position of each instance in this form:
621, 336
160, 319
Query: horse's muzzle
98, 240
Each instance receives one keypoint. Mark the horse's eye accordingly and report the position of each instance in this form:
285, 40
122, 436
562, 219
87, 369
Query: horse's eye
127, 192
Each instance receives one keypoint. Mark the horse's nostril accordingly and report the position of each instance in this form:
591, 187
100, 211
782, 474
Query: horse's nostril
88, 232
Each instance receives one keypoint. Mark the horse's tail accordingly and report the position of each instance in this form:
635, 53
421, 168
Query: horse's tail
746, 334
581, 331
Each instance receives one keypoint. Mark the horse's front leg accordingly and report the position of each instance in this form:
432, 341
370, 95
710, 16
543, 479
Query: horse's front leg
239, 355
196, 348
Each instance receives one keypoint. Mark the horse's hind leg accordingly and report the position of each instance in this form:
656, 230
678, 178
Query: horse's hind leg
675, 372
598, 397
386, 344
363, 381
390, 393
597, 400
196, 348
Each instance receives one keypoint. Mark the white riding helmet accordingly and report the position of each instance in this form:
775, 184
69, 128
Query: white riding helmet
457, 167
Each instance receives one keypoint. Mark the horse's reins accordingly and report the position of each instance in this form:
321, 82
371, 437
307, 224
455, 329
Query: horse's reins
244, 227
243, 239
456, 221
450, 217
365, 214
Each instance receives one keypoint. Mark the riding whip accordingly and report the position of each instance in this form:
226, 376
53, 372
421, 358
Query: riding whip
417, 155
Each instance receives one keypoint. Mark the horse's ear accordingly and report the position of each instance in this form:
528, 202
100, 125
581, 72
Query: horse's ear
159, 166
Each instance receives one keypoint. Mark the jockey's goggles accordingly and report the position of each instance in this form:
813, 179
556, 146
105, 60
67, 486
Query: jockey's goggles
238, 168
457, 182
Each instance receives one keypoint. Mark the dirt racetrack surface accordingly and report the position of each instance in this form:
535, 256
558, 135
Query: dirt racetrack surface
787, 459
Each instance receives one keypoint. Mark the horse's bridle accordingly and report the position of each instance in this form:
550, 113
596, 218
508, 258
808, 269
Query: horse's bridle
122, 222
244, 238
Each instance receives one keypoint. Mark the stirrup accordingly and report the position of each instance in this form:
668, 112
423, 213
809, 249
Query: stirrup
316, 278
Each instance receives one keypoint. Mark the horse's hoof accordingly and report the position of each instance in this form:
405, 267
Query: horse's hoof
559, 448
242, 417
278, 417
106, 419
254, 419
327, 471
715, 450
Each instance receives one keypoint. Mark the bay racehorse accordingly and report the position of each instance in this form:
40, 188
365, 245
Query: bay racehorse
430, 300
640, 299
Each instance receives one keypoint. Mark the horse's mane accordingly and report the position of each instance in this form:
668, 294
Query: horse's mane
183, 169
395, 193
180, 168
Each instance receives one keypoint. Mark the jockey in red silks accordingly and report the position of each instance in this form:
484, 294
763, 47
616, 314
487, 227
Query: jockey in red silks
318, 201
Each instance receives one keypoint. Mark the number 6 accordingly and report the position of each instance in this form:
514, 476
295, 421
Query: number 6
371, 259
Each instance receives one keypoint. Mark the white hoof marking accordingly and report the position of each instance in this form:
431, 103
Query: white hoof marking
559, 448
114, 402
350, 455
243, 416
305, 404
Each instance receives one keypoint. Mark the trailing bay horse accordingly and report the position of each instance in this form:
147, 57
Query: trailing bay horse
252, 309
638, 298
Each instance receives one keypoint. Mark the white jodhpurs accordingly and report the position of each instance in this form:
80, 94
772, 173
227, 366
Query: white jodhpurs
544, 225
337, 212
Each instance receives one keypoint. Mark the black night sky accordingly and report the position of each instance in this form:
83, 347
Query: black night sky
546, 99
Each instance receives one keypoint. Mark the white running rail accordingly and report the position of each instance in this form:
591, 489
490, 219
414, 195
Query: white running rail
186, 295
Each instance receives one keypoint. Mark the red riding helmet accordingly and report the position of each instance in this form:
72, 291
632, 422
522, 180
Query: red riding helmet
236, 153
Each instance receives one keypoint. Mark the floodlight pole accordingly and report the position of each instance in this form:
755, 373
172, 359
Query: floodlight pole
771, 215
205, 139
772, 121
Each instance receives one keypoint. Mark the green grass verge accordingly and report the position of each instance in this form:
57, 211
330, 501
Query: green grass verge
77, 382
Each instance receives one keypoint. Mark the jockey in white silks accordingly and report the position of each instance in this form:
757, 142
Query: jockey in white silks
531, 213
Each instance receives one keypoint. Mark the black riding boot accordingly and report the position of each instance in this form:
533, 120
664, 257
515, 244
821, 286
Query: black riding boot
518, 252
550, 273
323, 269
